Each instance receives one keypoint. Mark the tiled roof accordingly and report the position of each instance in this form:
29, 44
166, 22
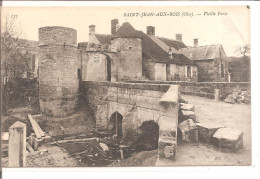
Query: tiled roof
202, 52
162, 44
150, 48
173, 43
104, 38
156, 53
183, 59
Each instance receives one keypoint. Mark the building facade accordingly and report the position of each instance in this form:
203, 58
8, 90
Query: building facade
131, 55
211, 60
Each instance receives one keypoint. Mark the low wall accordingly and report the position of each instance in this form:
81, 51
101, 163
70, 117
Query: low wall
203, 89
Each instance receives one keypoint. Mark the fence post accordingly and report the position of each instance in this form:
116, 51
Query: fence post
217, 95
17, 145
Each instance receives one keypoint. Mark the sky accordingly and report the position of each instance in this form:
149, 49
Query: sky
231, 28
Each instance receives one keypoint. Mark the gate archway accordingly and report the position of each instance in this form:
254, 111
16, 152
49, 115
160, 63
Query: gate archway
149, 134
115, 124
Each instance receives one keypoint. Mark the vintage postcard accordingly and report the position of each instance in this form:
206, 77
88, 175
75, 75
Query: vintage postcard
126, 86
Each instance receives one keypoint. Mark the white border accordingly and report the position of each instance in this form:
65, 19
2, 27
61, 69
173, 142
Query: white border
159, 172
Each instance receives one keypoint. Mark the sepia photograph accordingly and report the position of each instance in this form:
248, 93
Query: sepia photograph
125, 86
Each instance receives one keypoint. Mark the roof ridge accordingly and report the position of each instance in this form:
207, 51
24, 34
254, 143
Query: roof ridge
168, 38
207, 45
104, 34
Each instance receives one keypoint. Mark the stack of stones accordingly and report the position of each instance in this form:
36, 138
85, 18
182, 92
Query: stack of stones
191, 130
239, 96
187, 120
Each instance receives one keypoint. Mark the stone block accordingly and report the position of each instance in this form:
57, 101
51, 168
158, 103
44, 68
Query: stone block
167, 134
167, 149
17, 145
207, 130
181, 100
187, 107
38, 143
230, 99
172, 95
228, 138
185, 115
189, 131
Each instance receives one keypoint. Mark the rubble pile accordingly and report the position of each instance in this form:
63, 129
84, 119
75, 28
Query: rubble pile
38, 138
187, 119
99, 150
239, 96
190, 130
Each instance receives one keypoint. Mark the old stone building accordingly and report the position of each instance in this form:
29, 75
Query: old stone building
128, 54
211, 60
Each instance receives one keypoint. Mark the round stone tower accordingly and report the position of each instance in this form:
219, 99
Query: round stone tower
58, 83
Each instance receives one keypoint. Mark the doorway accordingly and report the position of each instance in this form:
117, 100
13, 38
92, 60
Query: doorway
115, 124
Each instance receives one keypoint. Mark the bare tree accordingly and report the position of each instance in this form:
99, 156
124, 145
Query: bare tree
13, 62
243, 50
10, 53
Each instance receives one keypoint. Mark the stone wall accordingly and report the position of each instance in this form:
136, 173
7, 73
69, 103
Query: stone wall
137, 103
210, 70
96, 67
142, 99
57, 35
160, 71
129, 62
167, 72
203, 89
148, 69
58, 81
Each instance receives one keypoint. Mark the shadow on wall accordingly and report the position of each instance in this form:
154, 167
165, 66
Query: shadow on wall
148, 136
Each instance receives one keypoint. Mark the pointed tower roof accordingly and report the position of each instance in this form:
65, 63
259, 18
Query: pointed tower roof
127, 30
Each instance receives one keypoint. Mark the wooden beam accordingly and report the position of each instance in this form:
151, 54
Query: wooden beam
29, 147
38, 131
74, 140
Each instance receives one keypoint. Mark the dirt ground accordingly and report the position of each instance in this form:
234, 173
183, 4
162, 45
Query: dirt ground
54, 157
236, 116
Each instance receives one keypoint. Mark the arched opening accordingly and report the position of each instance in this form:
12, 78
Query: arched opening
148, 135
115, 124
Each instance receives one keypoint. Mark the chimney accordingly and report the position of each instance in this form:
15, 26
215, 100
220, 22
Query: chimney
196, 42
114, 26
150, 30
92, 29
179, 37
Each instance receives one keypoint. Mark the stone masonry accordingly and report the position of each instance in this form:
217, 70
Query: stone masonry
137, 103
58, 83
